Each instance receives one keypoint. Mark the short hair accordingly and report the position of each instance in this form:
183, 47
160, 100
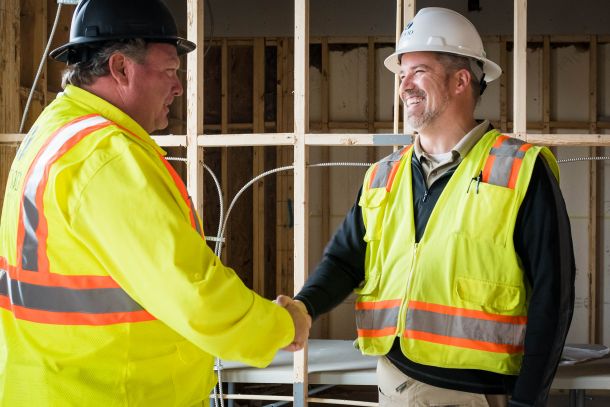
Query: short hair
86, 72
454, 62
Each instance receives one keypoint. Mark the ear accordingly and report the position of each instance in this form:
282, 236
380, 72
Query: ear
118, 68
462, 79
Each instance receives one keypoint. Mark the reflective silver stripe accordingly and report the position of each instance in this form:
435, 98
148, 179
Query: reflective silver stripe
29, 253
384, 169
505, 156
377, 318
61, 299
466, 327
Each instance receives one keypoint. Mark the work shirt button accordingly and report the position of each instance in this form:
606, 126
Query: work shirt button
197, 276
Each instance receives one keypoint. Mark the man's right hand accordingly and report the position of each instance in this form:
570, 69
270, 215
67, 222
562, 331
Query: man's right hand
300, 318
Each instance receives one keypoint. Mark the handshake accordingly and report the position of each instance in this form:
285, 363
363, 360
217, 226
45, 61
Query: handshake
300, 318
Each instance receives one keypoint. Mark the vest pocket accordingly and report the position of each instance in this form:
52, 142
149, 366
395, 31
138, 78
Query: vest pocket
486, 213
373, 203
369, 285
488, 294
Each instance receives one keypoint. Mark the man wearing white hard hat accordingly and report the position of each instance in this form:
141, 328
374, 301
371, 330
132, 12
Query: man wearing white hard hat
458, 246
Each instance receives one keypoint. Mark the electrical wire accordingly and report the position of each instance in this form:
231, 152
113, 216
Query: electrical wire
40, 66
576, 159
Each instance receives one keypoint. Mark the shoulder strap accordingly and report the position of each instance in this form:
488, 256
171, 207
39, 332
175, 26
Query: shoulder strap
384, 171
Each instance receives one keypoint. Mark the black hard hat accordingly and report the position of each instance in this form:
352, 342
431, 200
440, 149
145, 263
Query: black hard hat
98, 21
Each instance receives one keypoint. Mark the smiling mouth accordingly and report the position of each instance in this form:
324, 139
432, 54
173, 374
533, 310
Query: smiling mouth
412, 101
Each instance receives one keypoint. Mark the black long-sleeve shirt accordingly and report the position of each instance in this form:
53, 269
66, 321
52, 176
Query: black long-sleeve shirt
542, 241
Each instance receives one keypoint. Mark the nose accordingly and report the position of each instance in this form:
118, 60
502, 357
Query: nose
177, 88
405, 83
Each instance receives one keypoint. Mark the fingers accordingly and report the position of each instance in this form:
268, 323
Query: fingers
301, 320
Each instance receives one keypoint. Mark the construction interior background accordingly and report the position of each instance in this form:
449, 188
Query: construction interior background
242, 80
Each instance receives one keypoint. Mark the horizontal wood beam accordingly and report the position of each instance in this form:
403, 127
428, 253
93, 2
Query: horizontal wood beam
344, 139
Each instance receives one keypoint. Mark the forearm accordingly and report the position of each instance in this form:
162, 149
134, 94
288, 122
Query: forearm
341, 269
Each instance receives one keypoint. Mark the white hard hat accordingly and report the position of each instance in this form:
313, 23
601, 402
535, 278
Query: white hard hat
439, 29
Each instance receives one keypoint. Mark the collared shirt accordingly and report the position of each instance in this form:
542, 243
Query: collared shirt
435, 165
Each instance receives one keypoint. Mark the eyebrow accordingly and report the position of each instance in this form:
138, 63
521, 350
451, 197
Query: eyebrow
416, 67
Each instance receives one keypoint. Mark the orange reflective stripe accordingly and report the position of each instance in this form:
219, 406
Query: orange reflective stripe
182, 188
58, 280
30, 289
464, 327
504, 162
489, 164
463, 343
32, 226
376, 333
55, 304
393, 172
377, 318
373, 175
69, 318
463, 312
369, 305
384, 171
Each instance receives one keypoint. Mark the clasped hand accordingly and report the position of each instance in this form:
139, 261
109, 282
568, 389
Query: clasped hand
300, 318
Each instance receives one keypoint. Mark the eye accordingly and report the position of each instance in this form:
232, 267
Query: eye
419, 71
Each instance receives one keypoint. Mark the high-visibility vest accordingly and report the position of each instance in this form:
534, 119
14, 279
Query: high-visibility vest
109, 295
29, 289
458, 297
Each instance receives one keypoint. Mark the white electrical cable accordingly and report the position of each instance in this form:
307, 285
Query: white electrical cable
42, 62
218, 239
575, 159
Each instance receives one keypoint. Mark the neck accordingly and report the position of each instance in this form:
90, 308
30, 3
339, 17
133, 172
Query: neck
443, 133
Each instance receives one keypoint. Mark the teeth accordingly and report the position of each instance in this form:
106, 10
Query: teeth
414, 101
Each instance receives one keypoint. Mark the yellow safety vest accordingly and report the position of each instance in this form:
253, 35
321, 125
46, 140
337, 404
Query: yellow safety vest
458, 297
109, 294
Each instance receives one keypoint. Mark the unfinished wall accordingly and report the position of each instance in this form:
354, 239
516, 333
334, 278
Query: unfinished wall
274, 18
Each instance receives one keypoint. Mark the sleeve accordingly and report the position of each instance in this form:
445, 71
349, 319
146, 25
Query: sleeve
341, 268
543, 242
132, 217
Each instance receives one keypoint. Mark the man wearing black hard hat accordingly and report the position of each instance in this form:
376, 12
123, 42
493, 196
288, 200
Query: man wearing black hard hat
109, 294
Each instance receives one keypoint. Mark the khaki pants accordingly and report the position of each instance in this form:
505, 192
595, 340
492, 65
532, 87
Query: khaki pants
397, 389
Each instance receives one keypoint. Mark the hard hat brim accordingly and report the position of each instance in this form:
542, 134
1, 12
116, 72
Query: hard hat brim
183, 46
491, 69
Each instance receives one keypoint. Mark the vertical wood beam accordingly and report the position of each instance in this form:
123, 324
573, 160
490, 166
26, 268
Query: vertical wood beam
397, 104
194, 100
324, 320
546, 85
9, 84
408, 14
519, 71
301, 128
33, 39
10, 62
503, 85
595, 203
371, 80
258, 167
224, 129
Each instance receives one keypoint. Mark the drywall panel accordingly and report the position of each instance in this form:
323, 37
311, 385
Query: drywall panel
315, 94
384, 86
347, 79
569, 83
575, 187
534, 84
